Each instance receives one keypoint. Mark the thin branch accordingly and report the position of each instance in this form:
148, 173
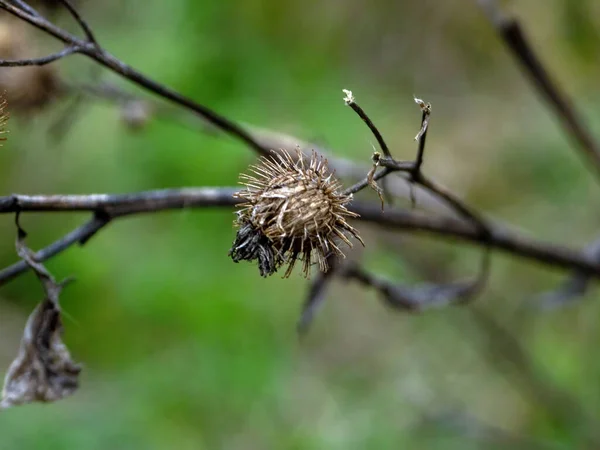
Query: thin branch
95, 52
454, 202
499, 237
513, 37
116, 206
89, 34
424, 296
105, 209
25, 7
422, 134
40, 61
351, 102
414, 169
359, 186
79, 235
573, 288
316, 295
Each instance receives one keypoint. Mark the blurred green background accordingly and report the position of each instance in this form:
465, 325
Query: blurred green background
185, 350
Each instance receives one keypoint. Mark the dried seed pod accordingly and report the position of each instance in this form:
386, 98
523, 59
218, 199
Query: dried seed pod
27, 88
293, 210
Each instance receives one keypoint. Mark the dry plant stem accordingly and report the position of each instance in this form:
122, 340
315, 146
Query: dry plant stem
428, 295
80, 20
78, 235
414, 169
116, 206
40, 61
316, 295
28, 9
422, 137
350, 101
91, 49
513, 37
361, 113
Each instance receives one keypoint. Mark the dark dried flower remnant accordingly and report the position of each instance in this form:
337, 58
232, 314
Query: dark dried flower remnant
293, 210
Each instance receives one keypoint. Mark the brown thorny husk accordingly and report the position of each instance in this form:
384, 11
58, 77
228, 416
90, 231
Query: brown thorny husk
293, 209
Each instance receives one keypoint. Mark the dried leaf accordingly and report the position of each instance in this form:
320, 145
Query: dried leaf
43, 370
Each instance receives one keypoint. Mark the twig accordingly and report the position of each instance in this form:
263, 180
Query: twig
573, 288
424, 296
511, 33
116, 204
25, 7
351, 102
421, 135
414, 169
316, 295
70, 50
97, 53
78, 235
80, 20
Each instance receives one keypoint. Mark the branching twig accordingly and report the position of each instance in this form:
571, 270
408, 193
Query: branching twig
104, 58
425, 296
351, 102
116, 206
89, 34
25, 7
70, 50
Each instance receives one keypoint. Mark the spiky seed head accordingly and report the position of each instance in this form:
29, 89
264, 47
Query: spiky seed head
293, 209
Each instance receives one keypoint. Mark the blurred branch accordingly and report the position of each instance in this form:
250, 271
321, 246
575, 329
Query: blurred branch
504, 350
93, 50
316, 295
514, 38
424, 296
574, 287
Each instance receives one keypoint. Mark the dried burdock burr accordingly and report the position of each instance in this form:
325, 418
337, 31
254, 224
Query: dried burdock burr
293, 209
